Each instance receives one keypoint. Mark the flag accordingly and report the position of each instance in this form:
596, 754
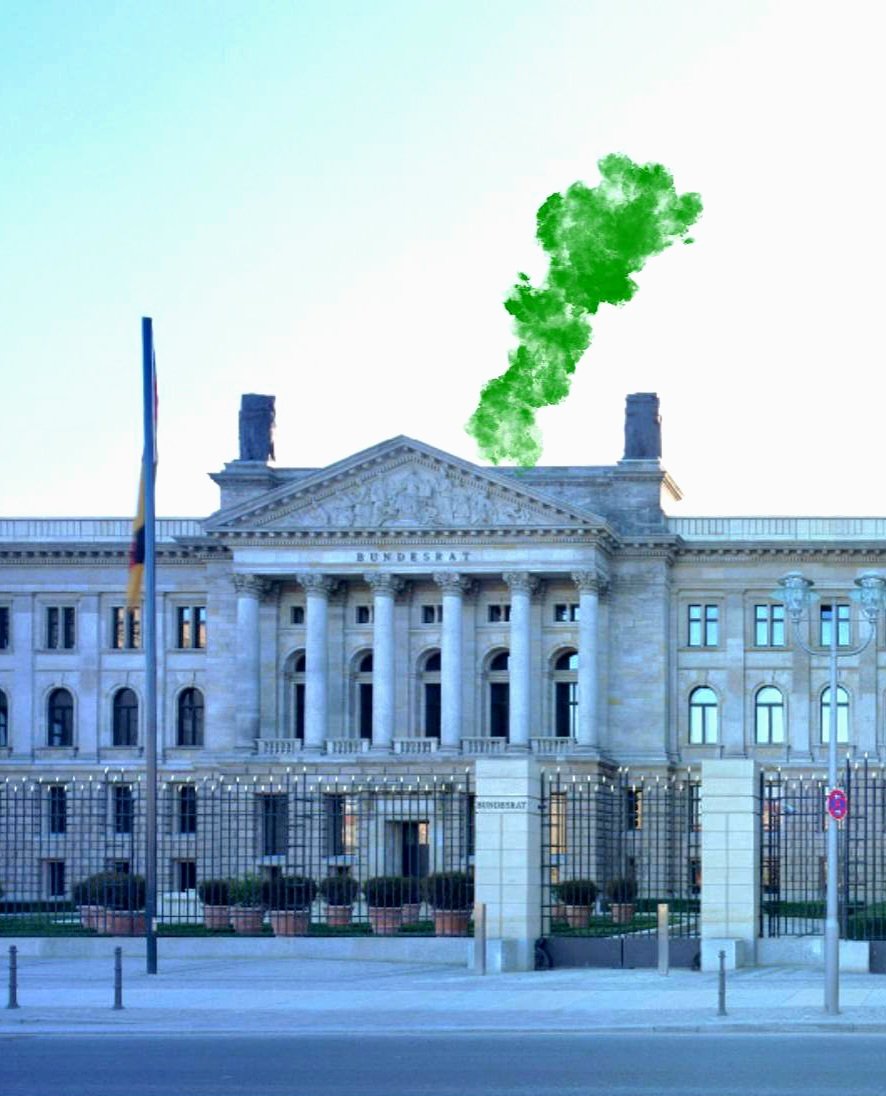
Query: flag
137, 545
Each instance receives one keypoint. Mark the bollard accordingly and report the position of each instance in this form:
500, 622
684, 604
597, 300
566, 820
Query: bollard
13, 978
118, 978
664, 941
480, 938
721, 994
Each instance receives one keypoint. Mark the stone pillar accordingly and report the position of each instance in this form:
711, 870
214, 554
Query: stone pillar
247, 687
730, 862
317, 590
453, 586
507, 858
588, 660
86, 736
385, 588
522, 585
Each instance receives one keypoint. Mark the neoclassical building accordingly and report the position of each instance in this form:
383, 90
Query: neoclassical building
404, 602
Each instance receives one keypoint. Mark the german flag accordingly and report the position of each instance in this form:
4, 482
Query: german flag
137, 550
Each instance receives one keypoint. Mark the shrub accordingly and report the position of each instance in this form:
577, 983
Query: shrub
577, 892
621, 890
449, 890
246, 891
339, 890
95, 890
384, 891
214, 892
288, 892
411, 889
124, 892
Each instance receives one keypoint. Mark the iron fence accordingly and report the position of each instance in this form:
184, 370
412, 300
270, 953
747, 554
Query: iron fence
233, 851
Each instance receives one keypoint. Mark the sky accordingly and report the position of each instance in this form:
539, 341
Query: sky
329, 202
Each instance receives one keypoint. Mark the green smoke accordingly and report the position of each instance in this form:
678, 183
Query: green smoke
596, 238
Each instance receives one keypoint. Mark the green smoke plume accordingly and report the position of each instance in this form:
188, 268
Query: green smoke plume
596, 238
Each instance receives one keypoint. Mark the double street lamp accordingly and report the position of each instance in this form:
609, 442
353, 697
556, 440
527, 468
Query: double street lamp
795, 591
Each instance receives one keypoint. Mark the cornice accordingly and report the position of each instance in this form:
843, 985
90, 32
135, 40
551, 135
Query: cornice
396, 538
835, 552
111, 557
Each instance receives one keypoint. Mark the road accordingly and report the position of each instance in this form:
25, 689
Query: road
444, 1064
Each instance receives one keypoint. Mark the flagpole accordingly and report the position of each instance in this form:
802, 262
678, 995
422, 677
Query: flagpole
149, 636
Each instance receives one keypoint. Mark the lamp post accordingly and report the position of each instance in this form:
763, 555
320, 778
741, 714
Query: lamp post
796, 594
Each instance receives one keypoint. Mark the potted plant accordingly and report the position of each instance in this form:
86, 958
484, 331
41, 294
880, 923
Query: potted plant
577, 898
88, 895
621, 893
215, 894
339, 891
411, 892
247, 911
451, 895
125, 901
384, 897
288, 901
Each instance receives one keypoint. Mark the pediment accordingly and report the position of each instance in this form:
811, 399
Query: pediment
400, 485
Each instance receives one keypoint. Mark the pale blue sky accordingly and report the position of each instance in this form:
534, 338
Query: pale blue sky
329, 202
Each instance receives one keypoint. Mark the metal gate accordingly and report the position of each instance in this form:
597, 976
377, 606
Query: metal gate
614, 846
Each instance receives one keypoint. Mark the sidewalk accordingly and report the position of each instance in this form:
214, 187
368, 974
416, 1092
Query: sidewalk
300, 996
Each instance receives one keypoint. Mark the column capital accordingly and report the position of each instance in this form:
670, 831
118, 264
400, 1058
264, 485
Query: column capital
318, 583
382, 582
451, 582
588, 582
521, 582
252, 585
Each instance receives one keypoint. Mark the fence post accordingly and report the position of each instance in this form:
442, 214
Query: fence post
13, 978
664, 958
118, 978
480, 938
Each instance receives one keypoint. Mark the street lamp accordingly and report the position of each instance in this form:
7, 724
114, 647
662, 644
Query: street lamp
796, 594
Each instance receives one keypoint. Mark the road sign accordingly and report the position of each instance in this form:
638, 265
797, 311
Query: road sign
837, 803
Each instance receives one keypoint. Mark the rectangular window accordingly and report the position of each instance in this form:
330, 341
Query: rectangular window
296, 614
126, 626
122, 808
498, 614
771, 815
55, 878
432, 709
185, 875
4, 628
634, 809
58, 809
60, 632
341, 825
558, 823
771, 874
826, 620
363, 614
187, 809
274, 824
769, 626
119, 867
431, 614
704, 625
190, 631
566, 613
695, 875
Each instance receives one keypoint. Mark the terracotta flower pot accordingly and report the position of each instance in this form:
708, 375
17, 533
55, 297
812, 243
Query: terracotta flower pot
385, 921
622, 912
451, 922
217, 917
247, 920
577, 917
125, 923
338, 915
411, 913
290, 922
91, 917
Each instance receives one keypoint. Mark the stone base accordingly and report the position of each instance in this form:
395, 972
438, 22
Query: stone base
504, 956
737, 954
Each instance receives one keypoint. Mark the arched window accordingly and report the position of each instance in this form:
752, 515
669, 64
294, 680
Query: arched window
363, 681
566, 694
842, 715
124, 713
4, 719
60, 718
431, 698
294, 701
702, 716
189, 725
499, 694
769, 716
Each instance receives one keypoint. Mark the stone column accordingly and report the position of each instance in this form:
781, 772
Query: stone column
588, 660
522, 586
317, 590
247, 687
385, 588
453, 586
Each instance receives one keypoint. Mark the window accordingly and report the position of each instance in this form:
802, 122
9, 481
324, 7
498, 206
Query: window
55, 878
295, 685
190, 632
58, 809
431, 696
695, 875
296, 614
564, 613
187, 811
566, 695
634, 808
769, 626
60, 718
341, 825
4, 627
4, 719
126, 628
124, 718
498, 614
189, 724
771, 815
431, 614
771, 875
186, 874
702, 716
121, 808
825, 621
363, 614
274, 824
769, 716
558, 809
842, 715
364, 696
60, 627
499, 695
704, 625
119, 867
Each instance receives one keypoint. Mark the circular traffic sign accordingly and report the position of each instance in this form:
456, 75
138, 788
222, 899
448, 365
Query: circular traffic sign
837, 804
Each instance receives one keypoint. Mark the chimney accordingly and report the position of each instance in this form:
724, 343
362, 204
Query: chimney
257, 428
642, 427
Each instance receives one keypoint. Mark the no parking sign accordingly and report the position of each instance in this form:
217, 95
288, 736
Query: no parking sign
837, 804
